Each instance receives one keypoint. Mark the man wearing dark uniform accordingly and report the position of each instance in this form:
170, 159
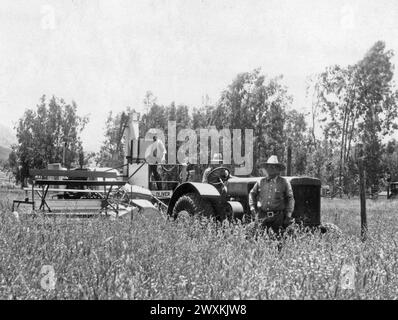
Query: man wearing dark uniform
271, 200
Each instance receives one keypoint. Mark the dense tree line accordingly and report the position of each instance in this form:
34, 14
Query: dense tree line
50, 133
251, 101
356, 106
351, 106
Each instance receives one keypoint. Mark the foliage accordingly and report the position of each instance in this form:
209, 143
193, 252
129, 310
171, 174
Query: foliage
254, 102
357, 104
378, 103
202, 117
156, 118
45, 135
111, 153
295, 132
183, 118
390, 159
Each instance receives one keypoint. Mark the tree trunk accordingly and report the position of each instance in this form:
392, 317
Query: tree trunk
313, 109
64, 155
342, 151
351, 134
289, 160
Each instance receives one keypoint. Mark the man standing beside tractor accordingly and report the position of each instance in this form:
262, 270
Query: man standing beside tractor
271, 200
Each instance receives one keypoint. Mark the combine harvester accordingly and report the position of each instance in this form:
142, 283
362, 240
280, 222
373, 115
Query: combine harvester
140, 188
90, 192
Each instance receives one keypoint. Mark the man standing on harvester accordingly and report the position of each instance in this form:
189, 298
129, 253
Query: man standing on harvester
271, 200
155, 155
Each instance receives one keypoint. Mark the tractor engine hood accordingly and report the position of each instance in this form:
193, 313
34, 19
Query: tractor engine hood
241, 186
237, 186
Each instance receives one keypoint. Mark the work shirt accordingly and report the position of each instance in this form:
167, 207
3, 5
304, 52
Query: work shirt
272, 195
156, 152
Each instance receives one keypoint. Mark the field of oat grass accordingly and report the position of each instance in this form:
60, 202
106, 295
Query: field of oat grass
150, 257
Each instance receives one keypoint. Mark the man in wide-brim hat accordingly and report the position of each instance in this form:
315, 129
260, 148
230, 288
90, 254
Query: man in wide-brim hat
271, 200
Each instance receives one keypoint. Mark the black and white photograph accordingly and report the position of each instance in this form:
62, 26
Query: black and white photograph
198, 156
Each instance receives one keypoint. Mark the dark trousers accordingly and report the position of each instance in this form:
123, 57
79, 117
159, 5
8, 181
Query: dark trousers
275, 224
153, 171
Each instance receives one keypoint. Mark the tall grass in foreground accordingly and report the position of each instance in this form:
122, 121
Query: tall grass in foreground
152, 258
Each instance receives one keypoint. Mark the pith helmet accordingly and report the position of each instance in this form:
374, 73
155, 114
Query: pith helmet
217, 158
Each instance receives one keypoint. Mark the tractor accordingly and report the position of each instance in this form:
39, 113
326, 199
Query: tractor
226, 197
223, 197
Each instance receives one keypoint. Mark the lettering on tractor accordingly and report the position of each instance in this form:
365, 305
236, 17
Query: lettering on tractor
162, 194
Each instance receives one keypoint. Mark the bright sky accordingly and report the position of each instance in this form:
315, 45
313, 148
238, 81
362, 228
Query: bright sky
106, 54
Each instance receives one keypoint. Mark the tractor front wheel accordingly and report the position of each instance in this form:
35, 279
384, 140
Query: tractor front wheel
194, 204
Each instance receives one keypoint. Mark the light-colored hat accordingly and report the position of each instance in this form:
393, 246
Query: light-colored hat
272, 160
217, 158
153, 132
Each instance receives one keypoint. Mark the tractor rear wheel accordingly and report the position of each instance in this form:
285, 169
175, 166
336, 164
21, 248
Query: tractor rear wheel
194, 204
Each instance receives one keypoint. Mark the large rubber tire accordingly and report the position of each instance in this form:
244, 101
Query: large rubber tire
194, 204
